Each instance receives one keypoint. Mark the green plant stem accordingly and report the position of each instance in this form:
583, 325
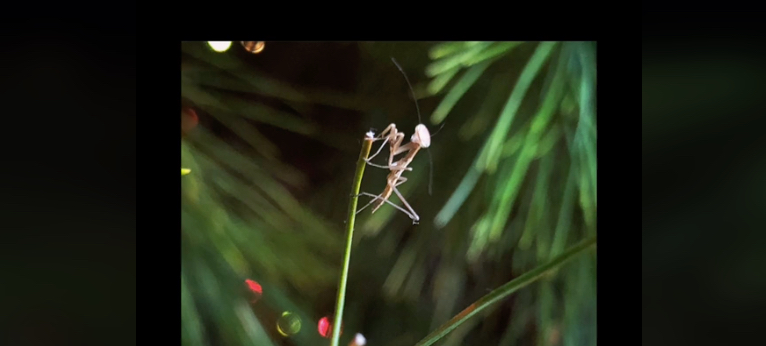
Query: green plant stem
505, 290
360, 164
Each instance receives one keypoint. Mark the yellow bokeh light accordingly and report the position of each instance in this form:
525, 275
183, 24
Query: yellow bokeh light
288, 324
219, 46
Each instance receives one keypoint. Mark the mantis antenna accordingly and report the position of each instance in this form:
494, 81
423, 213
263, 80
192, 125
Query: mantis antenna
420, 121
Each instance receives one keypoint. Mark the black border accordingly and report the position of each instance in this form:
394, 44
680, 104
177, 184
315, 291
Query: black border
68, 254
698, 190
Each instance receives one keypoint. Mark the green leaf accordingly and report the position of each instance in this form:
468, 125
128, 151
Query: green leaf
441, 50
492, 52
457, 91
438, 83
491, 150
535, 219
191, 333
509, 192
459, 196
493, 144
505, 290
455, 60
565, 215
548, 141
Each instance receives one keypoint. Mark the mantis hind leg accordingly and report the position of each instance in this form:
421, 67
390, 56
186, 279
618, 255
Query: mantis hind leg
375, 198
413, 215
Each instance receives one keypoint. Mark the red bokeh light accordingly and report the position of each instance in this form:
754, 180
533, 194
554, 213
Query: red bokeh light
324, 327
255, 288
189, 120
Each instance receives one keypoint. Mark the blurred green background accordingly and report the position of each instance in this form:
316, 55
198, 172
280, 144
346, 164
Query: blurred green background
271, 139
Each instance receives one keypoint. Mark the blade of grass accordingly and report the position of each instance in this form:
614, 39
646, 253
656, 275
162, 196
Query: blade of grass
494, 51
505, 290
441, 50
191, 334
512, 145
447, 289
522, 316
539, 202
253, 331
480, 232
458, 336
494, 141
438, 83
586, 186
400, 271
533, 67
545, 305
248, 168
504, 201
251, 135
459, 196
565, 214
443, 65
487, 111
355, 186
265, 198
457, 91
585, 129
548, 141
222, 104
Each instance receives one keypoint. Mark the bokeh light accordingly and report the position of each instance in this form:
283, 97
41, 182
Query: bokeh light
359, 340
254, 47
288, 324
324, 327
219, 46
255, 289
189, 120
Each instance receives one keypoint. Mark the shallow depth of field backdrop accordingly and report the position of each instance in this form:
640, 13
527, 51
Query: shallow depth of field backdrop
271, 140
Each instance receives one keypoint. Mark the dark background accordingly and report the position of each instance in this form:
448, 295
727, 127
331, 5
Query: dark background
68, 254
702, 178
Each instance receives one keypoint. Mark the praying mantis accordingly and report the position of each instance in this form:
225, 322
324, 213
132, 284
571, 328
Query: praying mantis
421, 138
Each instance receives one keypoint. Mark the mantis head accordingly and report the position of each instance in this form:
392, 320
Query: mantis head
421, 136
